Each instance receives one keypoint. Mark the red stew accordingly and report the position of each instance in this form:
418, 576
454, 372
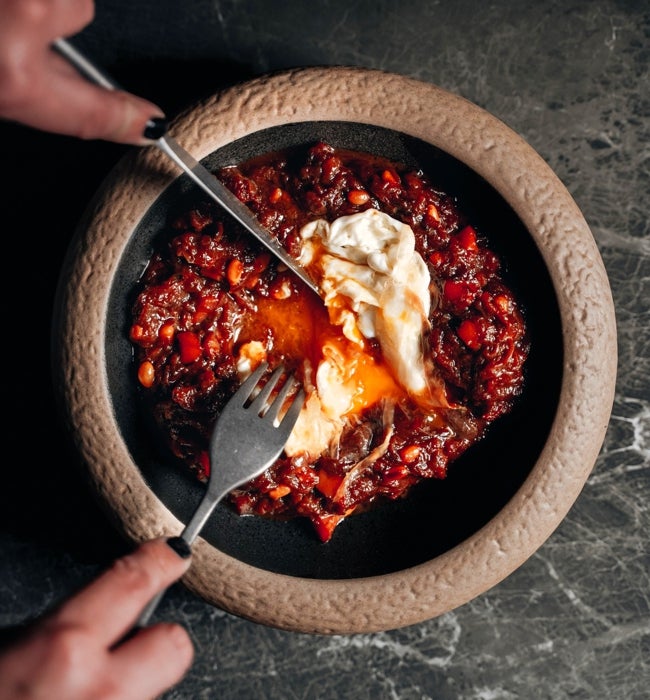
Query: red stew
212, 288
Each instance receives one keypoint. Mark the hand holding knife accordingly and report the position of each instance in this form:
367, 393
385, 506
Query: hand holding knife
157, 132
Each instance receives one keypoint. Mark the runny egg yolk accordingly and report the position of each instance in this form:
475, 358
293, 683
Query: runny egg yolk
349, 379
362, 341
349, 376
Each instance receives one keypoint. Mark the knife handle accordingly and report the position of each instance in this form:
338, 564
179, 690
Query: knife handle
83, 65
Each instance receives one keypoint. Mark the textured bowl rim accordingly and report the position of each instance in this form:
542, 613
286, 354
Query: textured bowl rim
524, 180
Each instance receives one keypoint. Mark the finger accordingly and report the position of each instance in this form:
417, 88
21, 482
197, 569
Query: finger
112, 603
69, 17
44, 20
44, 91
152, 661
115, 115
66, 103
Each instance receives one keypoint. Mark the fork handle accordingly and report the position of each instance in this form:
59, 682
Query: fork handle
189, 534
145, 615
201, 515
149, 610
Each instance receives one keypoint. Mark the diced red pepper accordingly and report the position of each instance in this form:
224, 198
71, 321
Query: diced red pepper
325, 525
204, 465
206, 380
189, 346
279, 492
275, 196
211, 344
330, 168
467, 238
328, 484
469, 333
502, 303
457, 293
460, 294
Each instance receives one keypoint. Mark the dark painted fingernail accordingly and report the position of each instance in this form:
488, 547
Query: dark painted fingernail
180, 546
156, 127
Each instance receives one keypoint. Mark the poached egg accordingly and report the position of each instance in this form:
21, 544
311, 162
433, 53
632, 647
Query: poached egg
374, 285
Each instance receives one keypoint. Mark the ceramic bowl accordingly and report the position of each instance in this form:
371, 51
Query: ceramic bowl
450, 540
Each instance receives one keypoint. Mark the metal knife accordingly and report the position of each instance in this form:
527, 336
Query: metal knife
195, 170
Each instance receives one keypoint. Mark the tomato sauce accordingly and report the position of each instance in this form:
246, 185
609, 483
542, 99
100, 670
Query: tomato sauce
211, 289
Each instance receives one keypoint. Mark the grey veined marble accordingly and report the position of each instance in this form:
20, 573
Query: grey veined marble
572, 77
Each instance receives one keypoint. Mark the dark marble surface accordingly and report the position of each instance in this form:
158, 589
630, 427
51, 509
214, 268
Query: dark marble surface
572, 78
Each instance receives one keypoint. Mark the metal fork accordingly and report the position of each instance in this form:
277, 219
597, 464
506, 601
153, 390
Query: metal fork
247, 438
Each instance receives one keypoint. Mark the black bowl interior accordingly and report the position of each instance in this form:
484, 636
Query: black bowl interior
437, 515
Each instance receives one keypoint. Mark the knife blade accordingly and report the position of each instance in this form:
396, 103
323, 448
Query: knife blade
195, 170
236, 208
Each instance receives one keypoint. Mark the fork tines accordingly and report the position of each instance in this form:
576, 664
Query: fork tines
260, 401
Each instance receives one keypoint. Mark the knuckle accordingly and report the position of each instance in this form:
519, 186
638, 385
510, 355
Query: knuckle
16, 84
86, 12
111, 117
32, 11
70, 645
133, 575
74, 654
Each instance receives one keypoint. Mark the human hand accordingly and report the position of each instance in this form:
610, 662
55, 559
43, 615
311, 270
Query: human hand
84, 651
40, 89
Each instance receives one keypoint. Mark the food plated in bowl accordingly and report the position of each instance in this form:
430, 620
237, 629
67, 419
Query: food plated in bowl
502, 246
413, 347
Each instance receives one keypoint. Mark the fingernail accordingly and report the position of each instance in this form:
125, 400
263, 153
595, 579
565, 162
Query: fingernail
156, 127
180, 546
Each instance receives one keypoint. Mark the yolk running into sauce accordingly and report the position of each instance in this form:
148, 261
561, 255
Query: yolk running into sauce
300, 329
